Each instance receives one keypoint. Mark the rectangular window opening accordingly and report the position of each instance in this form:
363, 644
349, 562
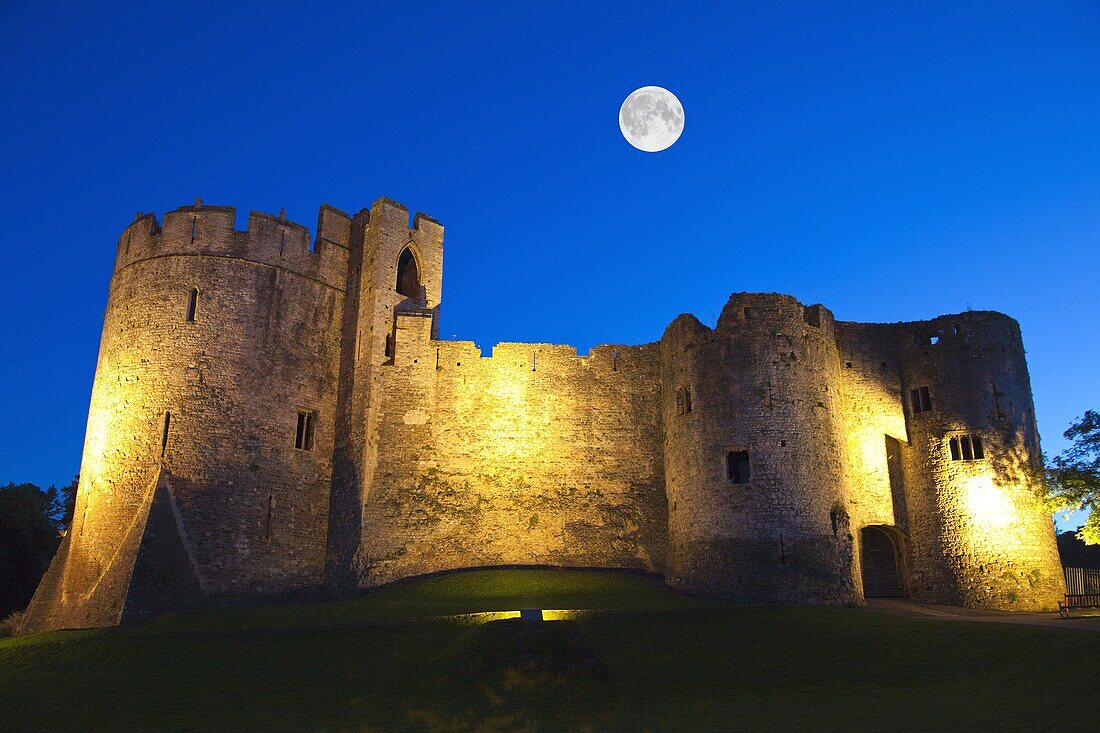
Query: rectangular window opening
194, 224
737, 466
920, 399
303, 437
967, 448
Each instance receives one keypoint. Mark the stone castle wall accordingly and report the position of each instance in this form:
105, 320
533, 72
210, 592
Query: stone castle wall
428, 456
533, 456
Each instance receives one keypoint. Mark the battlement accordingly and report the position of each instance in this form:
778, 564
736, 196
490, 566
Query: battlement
389, 213
414, 345
969, 327
209, 231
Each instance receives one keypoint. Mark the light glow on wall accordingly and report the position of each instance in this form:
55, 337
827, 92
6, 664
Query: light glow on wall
988, 506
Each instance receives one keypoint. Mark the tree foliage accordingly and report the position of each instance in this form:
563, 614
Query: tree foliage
30, 524
28, 540
1073, 476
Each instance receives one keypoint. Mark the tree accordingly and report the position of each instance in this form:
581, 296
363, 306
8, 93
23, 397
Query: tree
65, 503
28, 541
1073, 476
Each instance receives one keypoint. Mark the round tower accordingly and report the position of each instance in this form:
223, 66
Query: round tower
210, 428
755, 465
980, 536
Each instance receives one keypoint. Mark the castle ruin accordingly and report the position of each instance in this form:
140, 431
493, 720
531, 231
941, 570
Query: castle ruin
271, 419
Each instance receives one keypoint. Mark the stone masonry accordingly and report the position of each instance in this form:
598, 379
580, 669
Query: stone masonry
275, 418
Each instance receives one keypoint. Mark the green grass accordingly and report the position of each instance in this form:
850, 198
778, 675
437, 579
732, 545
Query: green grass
648, 660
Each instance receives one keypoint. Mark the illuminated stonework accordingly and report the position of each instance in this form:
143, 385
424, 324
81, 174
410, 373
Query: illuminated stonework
272, 419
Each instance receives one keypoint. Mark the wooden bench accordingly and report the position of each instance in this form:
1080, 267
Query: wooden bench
1082, 590
1078, 600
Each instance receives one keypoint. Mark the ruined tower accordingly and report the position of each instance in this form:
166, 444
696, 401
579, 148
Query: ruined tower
757, 481
273, 417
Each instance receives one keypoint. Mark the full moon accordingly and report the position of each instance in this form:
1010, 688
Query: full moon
651, 119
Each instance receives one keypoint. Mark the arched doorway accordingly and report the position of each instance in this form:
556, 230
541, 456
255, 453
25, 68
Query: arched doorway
408, 274
882, 562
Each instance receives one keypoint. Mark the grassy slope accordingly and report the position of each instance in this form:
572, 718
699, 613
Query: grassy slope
653, 660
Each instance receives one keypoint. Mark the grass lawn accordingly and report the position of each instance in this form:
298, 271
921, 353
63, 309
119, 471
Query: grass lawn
648, 659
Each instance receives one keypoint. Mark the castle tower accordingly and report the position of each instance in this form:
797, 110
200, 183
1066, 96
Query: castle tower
980, 537
755, 465
206, 465
393, 269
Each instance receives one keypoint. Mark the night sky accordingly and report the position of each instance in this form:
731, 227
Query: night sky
893, 161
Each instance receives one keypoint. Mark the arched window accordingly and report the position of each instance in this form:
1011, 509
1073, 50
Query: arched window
408, 274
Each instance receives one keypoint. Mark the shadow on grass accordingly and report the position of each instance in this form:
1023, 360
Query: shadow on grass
653, 661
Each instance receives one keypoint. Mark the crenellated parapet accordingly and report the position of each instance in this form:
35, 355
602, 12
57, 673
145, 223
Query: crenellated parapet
209, 231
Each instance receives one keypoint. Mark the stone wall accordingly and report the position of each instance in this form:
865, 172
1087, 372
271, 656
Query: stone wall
534, 456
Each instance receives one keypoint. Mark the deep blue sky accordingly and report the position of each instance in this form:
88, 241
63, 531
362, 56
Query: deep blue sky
893, 161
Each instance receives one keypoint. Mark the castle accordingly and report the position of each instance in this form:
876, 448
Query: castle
271, 419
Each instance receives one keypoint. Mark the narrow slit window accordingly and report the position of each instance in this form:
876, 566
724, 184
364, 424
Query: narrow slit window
737, 466
164, 434
614, 360
192, 305
270, 511
683, 400
303, 437
194, 225
282, 241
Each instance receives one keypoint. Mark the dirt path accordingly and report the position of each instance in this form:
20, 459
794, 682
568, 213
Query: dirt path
1081, 620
